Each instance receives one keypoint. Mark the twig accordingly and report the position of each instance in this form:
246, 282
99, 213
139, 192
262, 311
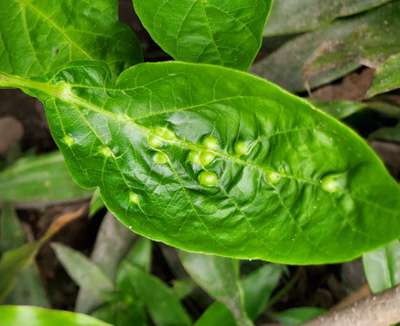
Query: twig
380, 310
361, 293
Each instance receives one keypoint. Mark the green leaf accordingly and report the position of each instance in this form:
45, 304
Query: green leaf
227, 33
219, 277
96, 203
183, 287
112, 244
122, 312
39, 181
11, 233
340, 109
84, 272
216, 315
34, 316
298, 316
293, 16
387, 76
28, 287
257, 289
382, 267
139, 255
387, 134
162, 304
283, 183
320, 57
42, 35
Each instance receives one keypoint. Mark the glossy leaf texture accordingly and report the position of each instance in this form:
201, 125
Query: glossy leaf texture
226, 33
387, 77
319, 57
382, 267
34, 316
40, 36
41, 180
210, 159
219, 277
293, 16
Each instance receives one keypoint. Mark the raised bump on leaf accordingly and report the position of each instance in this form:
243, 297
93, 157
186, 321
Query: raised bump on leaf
206, 158
242, 148
211, 142
134, 198
160, 158
334, 182
208, 179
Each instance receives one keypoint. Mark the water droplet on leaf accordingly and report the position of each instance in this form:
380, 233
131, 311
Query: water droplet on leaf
106, 151
68, 140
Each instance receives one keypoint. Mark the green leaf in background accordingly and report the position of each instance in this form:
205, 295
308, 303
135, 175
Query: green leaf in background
50, 33
382, 267
387, 76
34, 316
112, 244
219, 277
183, 287
298, 316
227, 33
96, 203
11, 233
171, 168
12, 263
387, 134
161, 302
40, 180
322, 56
294, 16
140, 255
340, 109
84, 272
28, 287
257, 289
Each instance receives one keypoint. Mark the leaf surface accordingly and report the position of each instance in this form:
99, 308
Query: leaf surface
293, 16
162, 304
226, 33
215, 160
39, 36
40, 180
382, 267
319, 57
34, 316
298, 316
387, 76
219, 277
84, 272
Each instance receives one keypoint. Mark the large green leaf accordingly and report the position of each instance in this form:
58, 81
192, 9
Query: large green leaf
215, 160
294, 16
382, 267
387, 76
38, 181
34, 316
11, 233
322, 56
39, 36
227, 33
219, 277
